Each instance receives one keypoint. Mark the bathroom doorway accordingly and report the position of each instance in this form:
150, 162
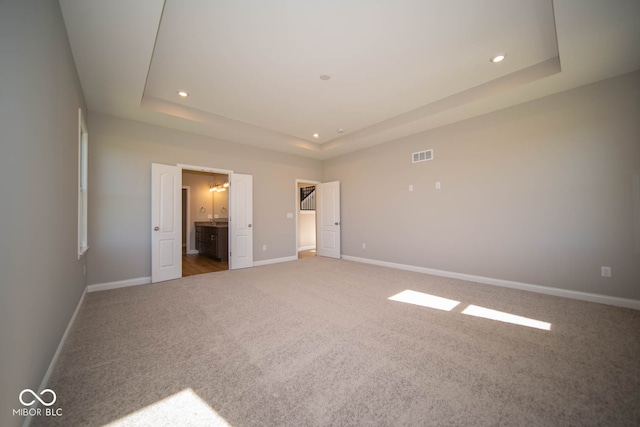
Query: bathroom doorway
205, 201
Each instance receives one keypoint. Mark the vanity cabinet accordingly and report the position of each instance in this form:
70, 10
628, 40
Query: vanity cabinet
212, 240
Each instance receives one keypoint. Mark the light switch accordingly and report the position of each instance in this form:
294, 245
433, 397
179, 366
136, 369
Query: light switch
289, 215
438, 186
411, 187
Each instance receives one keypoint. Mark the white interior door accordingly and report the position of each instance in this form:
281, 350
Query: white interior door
328, 219
241, 221
166, 222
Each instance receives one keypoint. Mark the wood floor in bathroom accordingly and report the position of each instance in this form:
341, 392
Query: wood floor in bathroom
193, 264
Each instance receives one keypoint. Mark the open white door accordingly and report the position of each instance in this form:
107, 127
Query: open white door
328, 219
241, 221
166, 222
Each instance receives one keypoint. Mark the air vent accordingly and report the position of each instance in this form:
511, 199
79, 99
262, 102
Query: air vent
422, 156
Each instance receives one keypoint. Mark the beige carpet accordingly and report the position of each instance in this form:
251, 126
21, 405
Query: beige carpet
317, 342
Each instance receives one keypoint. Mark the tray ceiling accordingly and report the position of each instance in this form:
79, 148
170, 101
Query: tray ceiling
355, 73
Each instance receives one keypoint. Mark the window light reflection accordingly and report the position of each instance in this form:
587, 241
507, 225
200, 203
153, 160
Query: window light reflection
474, 310
425, 300
183, 408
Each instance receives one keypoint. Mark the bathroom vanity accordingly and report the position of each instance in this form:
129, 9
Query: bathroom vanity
212, 240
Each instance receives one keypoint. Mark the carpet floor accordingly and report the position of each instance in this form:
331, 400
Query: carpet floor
318, 342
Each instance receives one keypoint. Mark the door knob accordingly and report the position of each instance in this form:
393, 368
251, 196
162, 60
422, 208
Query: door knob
156, 228
337, 223
250, 225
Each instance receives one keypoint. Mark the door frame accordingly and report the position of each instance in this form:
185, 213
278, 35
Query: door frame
206, 169
297, 208
188, 219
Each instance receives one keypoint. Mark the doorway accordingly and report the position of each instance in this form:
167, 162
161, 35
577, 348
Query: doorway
166, 220
306, 218
205, 216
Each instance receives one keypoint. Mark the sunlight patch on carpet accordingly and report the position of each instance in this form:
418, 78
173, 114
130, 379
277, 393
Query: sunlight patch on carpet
425, 300
431, 301
474, 310
183, 408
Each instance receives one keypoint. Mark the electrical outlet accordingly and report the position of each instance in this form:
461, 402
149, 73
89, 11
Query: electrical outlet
606, 271
264, 247
438, 185
364, 246
411, 187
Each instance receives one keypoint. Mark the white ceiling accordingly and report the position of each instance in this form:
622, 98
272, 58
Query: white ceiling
397, 67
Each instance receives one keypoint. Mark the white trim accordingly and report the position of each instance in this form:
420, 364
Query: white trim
205, 169
275, 260
192, 251
306, 248
636, 207
188, 219
83, 160
119, 284
56, 355
566, 293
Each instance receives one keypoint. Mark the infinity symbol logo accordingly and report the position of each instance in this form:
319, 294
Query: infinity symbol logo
42, 393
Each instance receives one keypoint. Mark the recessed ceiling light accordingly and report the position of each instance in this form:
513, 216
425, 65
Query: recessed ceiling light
183, 93
340, 130
316, 135
498, 58
325, 77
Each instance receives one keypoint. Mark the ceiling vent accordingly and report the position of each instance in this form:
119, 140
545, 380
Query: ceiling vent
422, 156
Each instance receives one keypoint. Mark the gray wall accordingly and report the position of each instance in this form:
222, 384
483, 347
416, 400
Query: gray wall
307, 229
120, 175
41, 278
541, 193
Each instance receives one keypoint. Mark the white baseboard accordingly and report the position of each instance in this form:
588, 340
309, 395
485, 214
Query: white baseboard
306, 248
193, 251
119, 284
56, 355
54, 360
584, 296
275, 260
